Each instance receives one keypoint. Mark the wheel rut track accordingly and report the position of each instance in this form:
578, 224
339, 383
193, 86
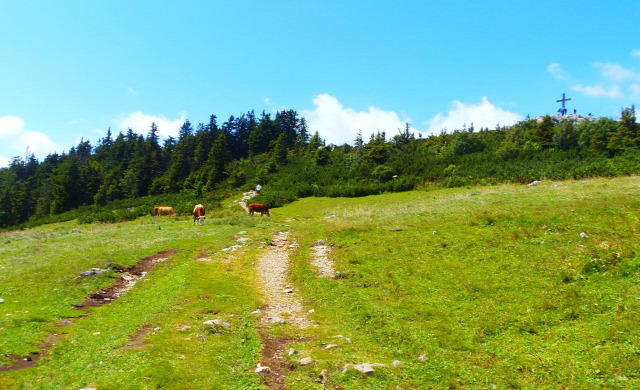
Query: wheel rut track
130, 276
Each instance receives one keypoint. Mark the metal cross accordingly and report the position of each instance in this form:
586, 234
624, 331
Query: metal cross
563, 100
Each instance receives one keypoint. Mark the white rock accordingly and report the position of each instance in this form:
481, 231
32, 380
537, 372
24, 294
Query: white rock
534, 183
422, 357
260, 369
312, 311
278, 320
306, 361
365, 368
292, 351
242, 232
332, 346
257, 312
287, 290
583, 235
1, 300
397, 363
217, 324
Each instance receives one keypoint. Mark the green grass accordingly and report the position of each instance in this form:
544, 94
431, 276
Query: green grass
40, 286
495, 290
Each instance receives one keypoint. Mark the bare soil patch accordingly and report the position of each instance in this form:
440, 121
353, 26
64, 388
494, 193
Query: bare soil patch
130, 276
272, 350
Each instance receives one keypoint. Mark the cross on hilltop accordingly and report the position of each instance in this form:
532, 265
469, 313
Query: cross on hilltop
563, 110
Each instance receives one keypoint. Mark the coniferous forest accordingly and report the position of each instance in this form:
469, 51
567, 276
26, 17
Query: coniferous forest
280, 153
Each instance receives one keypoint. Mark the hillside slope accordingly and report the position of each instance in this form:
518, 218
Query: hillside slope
502, 286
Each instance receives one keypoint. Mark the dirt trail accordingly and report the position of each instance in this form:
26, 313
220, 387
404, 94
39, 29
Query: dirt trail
245, 197
130, 276
282, 301
282, 305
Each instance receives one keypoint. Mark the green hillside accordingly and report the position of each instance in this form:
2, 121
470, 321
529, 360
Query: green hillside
502, 286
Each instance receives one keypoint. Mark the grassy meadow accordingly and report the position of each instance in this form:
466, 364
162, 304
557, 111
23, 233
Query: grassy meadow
507, 286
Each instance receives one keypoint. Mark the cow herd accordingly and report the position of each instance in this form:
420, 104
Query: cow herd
198, 211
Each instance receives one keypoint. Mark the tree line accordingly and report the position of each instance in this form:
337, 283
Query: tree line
280, 153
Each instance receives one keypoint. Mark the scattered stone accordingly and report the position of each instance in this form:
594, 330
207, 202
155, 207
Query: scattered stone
320, 242
422, 357
157, 329
287, 290
1, 300
583, 235
310, 311
331, 216
292, 351
242, 232
88, 388
534, 183
365, 368
582, 246
217, 324
472, 194
244, 240
278, 320
94, 271
306, 361
332, 346
397, 363
96, 333
232, 248
435, 232
257, 312
260, 369
323, 376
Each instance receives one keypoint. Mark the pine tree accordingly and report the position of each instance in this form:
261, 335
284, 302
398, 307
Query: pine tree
219, 157
543, 132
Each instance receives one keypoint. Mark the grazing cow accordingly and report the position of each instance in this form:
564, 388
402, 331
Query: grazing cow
259, 207
198, 214
163, 210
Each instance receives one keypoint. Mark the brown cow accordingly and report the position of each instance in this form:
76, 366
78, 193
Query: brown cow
163, 210
198, 214
259, 207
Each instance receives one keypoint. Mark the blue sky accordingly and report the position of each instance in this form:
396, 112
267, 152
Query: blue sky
73, 69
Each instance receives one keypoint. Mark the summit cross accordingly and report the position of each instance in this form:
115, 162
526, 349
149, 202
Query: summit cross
563, 100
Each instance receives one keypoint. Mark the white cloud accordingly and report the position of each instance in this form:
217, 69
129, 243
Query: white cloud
598, 90
338, 124
15, 139
141, 123
10, 125
635, 91
482, 114
616, 73
557, 71
635, 53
